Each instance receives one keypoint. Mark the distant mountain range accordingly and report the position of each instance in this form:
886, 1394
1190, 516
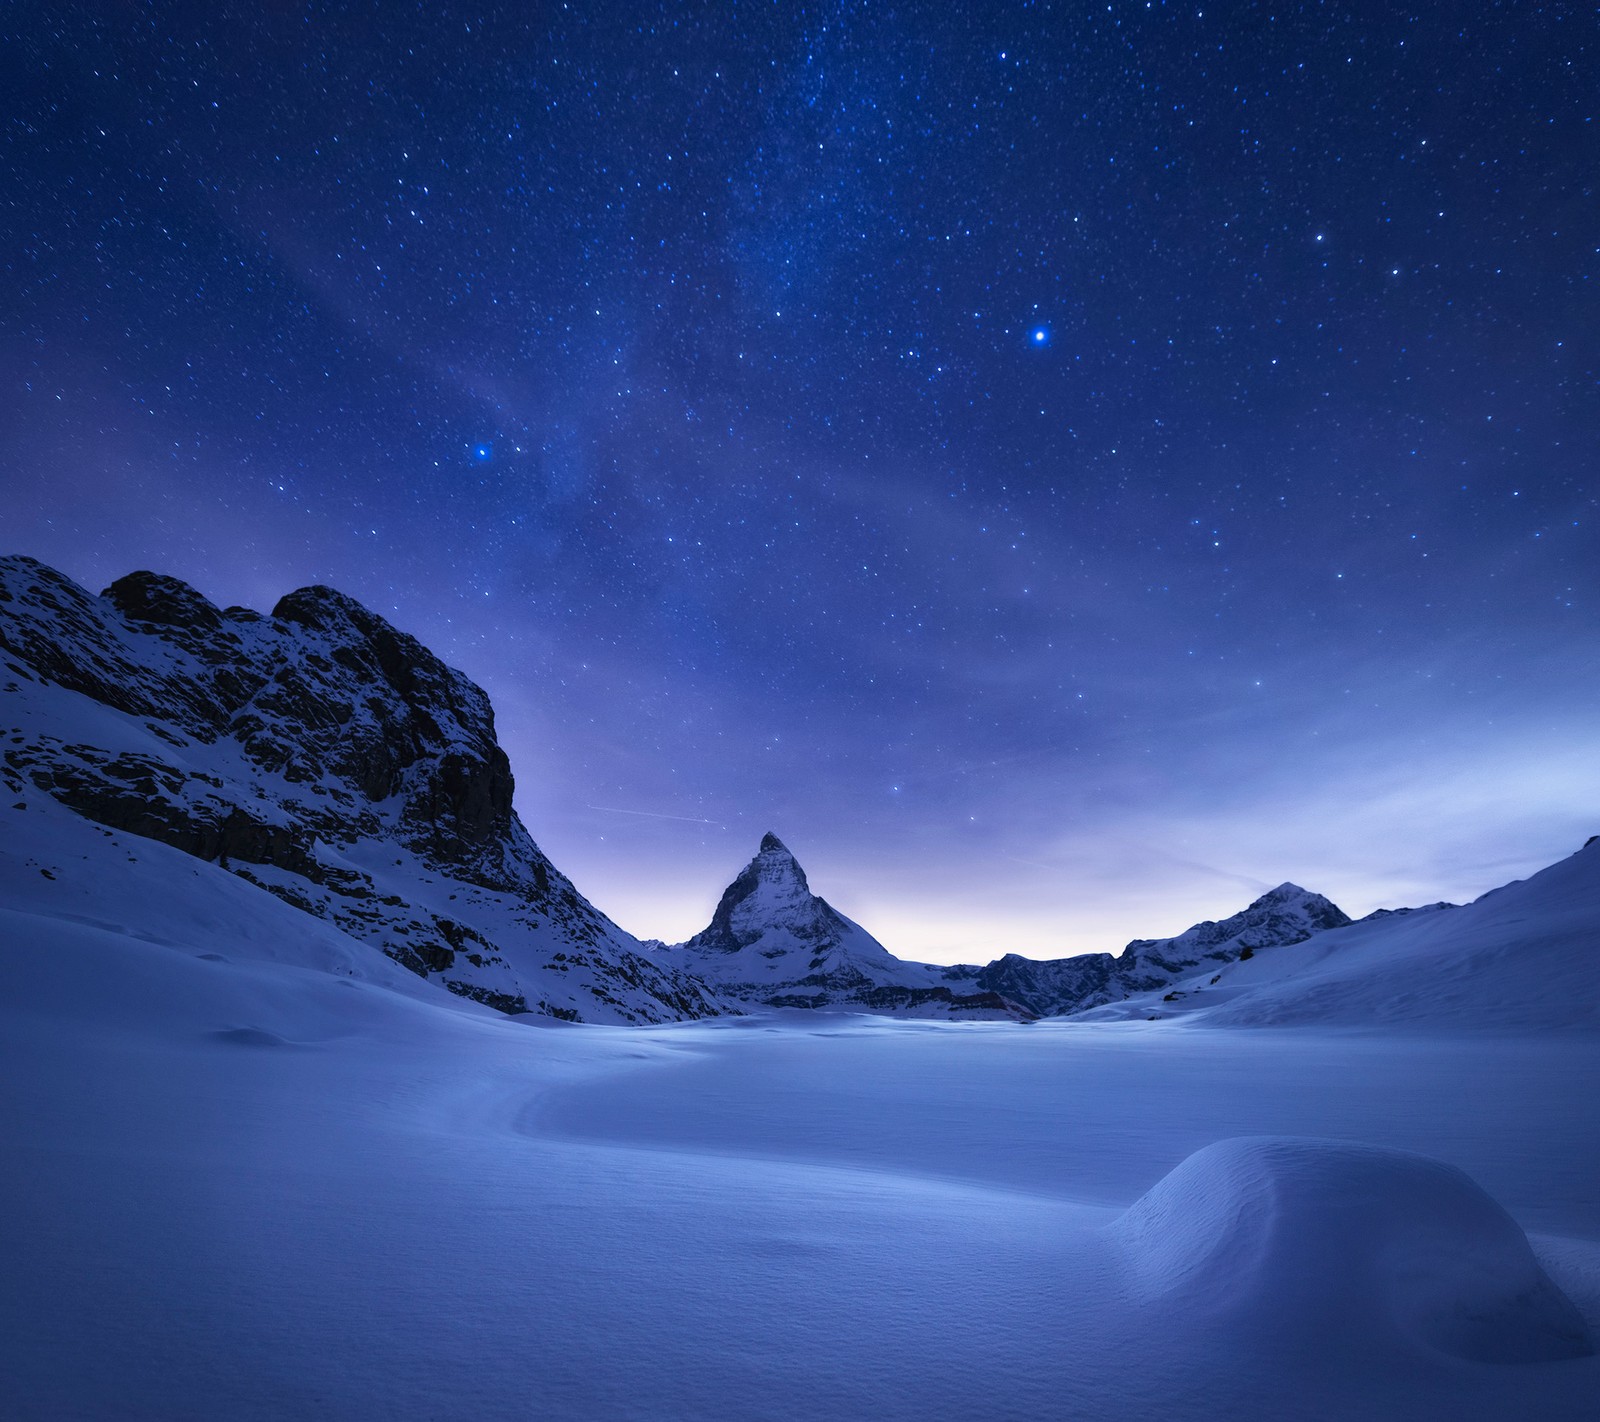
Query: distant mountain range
773, 941
332, 761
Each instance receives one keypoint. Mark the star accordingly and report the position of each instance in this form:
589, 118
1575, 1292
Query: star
599, 278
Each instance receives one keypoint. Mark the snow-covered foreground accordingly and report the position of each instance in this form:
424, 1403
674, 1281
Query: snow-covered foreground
248, 1175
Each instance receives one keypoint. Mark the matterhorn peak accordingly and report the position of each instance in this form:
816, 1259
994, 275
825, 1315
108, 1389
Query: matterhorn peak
774, 864
1289, 892
770, 891
773, 941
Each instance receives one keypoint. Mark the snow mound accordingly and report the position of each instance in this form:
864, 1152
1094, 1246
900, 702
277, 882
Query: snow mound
1303, 1239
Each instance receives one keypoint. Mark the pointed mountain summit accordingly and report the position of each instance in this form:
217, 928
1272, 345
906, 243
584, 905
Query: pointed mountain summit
773, 941
1520, 957
771, 901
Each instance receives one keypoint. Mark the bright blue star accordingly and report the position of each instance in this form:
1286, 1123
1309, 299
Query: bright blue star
482, 453
1039, 336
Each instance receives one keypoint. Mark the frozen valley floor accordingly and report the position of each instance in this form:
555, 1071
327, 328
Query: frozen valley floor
252, 1189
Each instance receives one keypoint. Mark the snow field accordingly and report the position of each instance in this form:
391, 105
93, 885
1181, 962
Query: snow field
252, 1170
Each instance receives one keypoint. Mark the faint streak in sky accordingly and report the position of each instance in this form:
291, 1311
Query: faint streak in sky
654, 815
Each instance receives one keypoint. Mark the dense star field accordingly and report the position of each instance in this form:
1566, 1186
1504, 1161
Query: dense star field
1066, 468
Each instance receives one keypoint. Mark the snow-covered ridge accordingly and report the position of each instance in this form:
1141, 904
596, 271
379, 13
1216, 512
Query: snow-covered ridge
328, 758
772, 941
1061, 986
1523, 956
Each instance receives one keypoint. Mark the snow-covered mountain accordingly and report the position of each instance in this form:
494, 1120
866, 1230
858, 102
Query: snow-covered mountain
772, 941
1525, 956
322, 757
1061, 986
327, 759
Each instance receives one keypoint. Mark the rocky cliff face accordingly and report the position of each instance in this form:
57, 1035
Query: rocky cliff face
328, 758
772, 941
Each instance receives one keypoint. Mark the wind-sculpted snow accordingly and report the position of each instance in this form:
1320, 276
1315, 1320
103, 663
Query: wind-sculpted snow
328, 759
772, 941
1303, 1242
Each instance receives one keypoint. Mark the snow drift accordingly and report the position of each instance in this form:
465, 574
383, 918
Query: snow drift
1301, 1240
253, 1169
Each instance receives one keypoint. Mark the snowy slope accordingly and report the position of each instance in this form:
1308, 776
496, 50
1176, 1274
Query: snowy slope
1053, 987
253, 1170
1522, 957
250, 1168
772, 941
326, 759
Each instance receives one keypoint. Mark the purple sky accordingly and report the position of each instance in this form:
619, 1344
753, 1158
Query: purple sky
1065, 472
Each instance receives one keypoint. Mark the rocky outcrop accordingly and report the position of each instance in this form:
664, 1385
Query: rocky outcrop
327, 756
1286, 914
1046, 988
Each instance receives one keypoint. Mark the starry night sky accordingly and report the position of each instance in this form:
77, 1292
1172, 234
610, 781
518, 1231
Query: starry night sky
1064, 468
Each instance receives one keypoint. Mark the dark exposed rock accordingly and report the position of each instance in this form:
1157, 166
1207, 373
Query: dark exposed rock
892, 998
435, 957
148, 798
156, 598
1042, 987
276, 745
